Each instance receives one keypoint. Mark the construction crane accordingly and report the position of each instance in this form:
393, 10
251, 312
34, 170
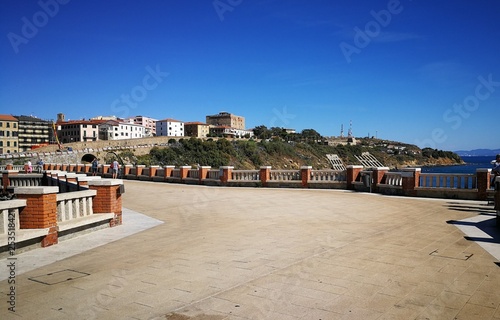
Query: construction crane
54, 131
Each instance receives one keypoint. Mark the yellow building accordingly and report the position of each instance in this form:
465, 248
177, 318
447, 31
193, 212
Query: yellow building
9, 131
226, 119
196, 129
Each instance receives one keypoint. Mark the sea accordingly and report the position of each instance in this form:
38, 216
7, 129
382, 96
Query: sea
471, 164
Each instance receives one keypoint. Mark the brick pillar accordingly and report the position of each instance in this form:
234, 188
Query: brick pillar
410, 180
184, 170
305, 174
104, 169
152, 171
265, 175
126, 170
203, 173
79, 167
352, 175
40, 211
168, 171
225, 175
72, 167
378, 176
9, 167
108, 198
5, 178
138, 170
64, 167
87, 167
483, 177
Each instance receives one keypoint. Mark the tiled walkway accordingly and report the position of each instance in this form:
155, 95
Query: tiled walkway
238, 253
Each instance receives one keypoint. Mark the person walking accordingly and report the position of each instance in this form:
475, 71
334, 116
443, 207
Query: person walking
115, 166
95, 164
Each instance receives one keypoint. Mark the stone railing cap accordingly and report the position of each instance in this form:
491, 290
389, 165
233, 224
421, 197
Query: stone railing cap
483, 170
10, 171
226, 167
355, 166
306, 167
185, 167
106, 182
205, 167
36, 190
265, 167
16, 203
89, 178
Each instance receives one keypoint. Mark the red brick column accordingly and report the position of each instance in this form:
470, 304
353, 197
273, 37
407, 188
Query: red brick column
168, 171
483, 177
265, 175
9, 167
378, 175
352, 174
5, 177
184, 170
40, 211
105, 169
64, 167
138, 170
87, 167
225, 176
152, 171
203, 173
71, 168
108, 198
305, 174
127, 169
410, 180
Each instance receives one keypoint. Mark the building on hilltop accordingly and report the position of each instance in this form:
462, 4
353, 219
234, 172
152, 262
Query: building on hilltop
9, 131
33, 132
196, 129
169, 128
228, 132
78, 130
226, 119
146, 122
115, 130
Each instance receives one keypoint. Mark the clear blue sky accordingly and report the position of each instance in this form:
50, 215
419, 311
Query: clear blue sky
422, 71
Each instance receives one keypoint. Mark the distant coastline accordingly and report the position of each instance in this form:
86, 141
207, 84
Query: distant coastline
472, 163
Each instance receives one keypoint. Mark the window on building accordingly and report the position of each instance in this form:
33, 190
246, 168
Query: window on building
8, 143
15, 125
15, 144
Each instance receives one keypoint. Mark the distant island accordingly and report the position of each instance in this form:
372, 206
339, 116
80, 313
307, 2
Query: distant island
478, 152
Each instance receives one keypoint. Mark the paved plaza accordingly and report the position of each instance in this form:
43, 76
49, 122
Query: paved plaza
197, 252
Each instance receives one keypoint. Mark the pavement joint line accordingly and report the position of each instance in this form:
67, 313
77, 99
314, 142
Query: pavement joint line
40, 257
255, 278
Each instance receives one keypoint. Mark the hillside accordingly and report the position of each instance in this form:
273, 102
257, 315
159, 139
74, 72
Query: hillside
250, 154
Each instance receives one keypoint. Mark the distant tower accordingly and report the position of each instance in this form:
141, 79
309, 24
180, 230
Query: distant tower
341, 130
349, 133
61, 117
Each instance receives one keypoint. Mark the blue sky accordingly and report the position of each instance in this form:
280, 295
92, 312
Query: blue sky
422, 72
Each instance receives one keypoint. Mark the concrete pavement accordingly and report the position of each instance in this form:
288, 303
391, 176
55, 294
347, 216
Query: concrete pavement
244, 253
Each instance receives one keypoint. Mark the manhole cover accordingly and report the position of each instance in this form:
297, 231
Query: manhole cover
59, 276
